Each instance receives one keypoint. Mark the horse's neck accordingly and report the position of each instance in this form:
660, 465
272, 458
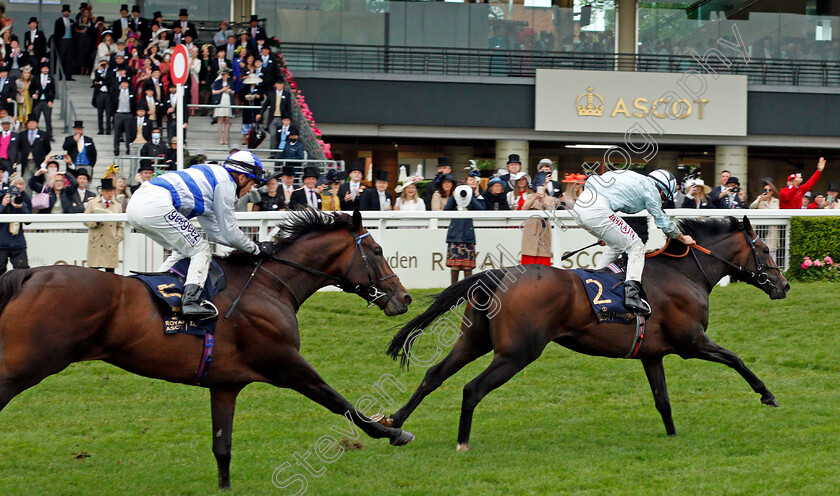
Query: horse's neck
308, 254
714, 269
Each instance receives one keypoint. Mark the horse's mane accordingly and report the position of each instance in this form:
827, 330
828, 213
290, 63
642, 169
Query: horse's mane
298, 224
709, 227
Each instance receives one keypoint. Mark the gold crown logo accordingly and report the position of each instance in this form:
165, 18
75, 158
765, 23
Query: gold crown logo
591, 107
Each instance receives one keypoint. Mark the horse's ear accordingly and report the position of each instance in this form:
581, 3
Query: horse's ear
747, 225
357, 220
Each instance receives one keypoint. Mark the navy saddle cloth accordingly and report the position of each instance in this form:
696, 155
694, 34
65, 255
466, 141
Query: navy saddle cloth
606, 294
168, 287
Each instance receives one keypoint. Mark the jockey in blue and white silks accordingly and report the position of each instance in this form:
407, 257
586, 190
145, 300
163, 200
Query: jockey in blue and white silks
627, 192
161, 209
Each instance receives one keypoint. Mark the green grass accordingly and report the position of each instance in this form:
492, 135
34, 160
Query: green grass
567, 424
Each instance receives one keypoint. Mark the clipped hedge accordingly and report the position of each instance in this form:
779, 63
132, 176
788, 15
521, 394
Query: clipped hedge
814, 238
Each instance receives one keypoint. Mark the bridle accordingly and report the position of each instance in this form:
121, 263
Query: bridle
759, 276
370, 292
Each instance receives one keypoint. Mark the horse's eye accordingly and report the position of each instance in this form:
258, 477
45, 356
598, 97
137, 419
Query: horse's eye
766, 250
377, 251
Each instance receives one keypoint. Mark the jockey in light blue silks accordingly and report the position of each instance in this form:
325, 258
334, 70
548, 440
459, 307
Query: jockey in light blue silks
627, 192
161, 209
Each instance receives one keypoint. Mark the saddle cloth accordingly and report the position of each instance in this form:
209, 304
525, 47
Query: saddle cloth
167, 287
606, 294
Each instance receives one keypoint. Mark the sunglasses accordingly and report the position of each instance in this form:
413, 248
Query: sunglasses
767, 190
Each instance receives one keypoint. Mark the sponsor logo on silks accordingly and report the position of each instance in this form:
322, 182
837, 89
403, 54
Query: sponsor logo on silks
184, 226
623, 227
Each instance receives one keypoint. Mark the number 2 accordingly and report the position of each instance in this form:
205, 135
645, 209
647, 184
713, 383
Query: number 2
597, 300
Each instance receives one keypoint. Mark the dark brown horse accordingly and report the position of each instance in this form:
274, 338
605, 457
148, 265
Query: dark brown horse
114, 319
515, 313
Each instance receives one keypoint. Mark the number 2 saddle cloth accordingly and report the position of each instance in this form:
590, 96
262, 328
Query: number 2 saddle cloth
605, 289
167, 288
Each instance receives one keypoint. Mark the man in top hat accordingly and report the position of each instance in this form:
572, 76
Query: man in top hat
104, 237
138, 24
83, 192
791, 196
444, 166
32, 142
120, 27
831, 200
514, 166
101, 98
219, 62
35, 42
732, 195
8, 145
310, 194
63, 36
287, 184
123, 108
80, 148
351, 191
42, 90
294, 149
8, 90
145, 173
376, 198
255, 31
270, 70
187, 28
82, 7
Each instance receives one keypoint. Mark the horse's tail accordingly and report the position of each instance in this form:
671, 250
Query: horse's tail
450, 298
10, 285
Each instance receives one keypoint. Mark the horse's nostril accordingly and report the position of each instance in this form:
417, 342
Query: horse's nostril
407, 300
787, 287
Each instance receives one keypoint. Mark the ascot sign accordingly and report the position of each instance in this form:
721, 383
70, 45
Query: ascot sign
613, 102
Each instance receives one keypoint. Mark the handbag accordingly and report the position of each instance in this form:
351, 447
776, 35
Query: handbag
41, 200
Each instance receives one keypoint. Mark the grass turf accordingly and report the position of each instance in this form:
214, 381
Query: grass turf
567, 424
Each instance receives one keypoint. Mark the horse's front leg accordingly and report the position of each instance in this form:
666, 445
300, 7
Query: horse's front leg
222, 404
294, 372
706, 349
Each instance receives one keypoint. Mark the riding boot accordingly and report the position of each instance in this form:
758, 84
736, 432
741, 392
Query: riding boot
633, 300
193, 307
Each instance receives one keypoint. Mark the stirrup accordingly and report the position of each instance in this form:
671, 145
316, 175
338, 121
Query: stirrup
645, 311
211, 312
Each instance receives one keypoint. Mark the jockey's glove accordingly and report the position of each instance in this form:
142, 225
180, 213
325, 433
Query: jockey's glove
266, 250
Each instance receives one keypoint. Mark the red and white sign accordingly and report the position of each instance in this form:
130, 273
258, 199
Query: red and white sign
180, 64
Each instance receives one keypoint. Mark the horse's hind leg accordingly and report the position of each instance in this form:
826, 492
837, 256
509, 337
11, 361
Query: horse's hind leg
222, 404
473, 343
656, 377
713, 352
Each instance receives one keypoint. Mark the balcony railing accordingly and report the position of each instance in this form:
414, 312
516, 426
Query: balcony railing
518, 63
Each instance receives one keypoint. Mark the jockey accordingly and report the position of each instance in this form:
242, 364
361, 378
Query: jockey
628, 192
161, 209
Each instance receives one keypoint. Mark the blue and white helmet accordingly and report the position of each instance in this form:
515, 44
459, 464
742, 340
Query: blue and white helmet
246, 163
665, 181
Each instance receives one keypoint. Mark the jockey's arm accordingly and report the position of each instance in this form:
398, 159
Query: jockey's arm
667, 224
227, 229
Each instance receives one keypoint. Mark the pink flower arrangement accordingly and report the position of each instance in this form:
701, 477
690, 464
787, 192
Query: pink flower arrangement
828, 261
807, 263
818, 263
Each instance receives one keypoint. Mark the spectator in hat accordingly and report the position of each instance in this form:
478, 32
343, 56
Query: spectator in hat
443, 186
60, 186
104, 237
698, 195
495, 197
287, 184
521, 192
377, 198
63, 37
331, 182
42, 91
282, 138
271, 196
154, 146
187, 27
818, 202
145, 173
806, 200
831, 197
552, 188
80, 148
84, 42
767, 199
12, 241
351, 191
16, 58
123, 108
121, 27
222, 98
7, 90
82, 190
293, 150
138, 24
170, 160
271, 73
277, 107
444, 166
732, 196
791, 196
142, 127
32, 142
219, 62
310, 194
251, 95
409, 200
255, 31
106, 47
35, 42
460, 236
101, 97
8, 145
120, 56
514, 166
170, 111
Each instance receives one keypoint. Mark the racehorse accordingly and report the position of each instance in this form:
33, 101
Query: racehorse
518, 311
115, 319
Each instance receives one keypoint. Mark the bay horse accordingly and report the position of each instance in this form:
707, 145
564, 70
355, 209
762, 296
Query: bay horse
516, 312
115, 319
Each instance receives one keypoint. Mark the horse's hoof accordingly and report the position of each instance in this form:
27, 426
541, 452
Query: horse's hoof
462, 447
769, 400
404, 438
